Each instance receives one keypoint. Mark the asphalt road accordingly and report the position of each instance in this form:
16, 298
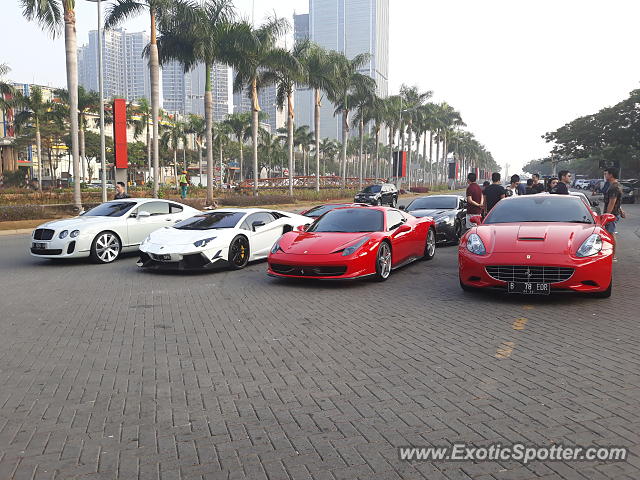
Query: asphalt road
111, 372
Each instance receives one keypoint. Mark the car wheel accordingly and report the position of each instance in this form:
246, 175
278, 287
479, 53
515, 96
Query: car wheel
430, 245
378, 203
394, 202
105, 248
383, 262
239, 252
606, 293
457, 233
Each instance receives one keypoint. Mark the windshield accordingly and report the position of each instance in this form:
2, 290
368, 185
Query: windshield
319, 210
349, 220
110, 209
372, 189
429, 203
208, 221
536, 208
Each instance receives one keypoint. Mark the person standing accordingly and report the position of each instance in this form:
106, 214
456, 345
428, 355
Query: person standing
184, 184
514, 187
494, 192
564, 180
474, 198
121, 191
613, 198
536, 186
528, 190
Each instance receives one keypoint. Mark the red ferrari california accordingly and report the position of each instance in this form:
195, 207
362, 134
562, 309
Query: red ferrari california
353, 242
536, 244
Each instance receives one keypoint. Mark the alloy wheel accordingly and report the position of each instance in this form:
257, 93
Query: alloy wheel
239, 252
431, 243
384, 260
107, 247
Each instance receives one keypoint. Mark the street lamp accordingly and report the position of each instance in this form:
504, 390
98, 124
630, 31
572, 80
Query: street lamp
103, 154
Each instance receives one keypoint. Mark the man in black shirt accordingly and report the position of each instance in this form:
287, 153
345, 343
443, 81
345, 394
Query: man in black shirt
564, 179
494, 192
536, 186
120, 191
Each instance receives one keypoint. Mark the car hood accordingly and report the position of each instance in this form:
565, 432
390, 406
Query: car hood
169, 236
562, 238
320, 243
433, 212
79, 222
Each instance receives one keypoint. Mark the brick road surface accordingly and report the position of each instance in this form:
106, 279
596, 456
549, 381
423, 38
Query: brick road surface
110, 372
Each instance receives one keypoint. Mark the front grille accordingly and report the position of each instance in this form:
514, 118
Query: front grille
529, 273
309, 270
43, 234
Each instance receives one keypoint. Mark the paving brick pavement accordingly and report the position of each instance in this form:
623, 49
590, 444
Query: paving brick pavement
108, 372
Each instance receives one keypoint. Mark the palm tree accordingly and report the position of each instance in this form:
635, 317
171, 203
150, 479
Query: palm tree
51, 15
392, 112
171, 138
6, 89
239, 124
36, 111
252, 52
328, 149
120, 11
373, 110
88, 102
194, 34
286, 79
221, 140
196, 126
320, 73
141, 124
303, 138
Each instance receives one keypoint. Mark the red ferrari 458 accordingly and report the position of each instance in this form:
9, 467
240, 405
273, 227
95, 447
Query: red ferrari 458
536, 244
353, 242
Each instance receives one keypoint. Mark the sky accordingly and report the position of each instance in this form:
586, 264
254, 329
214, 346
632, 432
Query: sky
513, 69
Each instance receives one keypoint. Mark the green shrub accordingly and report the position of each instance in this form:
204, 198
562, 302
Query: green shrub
24, 212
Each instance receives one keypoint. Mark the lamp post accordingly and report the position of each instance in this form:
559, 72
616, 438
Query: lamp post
103, 154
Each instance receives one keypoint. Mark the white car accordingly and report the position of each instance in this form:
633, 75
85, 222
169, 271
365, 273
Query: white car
225, 237
105, 231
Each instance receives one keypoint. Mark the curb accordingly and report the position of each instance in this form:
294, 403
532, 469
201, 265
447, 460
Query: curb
19, 231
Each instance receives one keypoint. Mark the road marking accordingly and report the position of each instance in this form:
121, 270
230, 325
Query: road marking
519, 323
505, 349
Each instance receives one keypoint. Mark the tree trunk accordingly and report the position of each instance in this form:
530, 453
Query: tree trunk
208, 115
255, 110
240, 143
418, 137
148, 151
221, 173
392, 136
71, 52
290, 118
154, 69
200, 161
377, 158
410, 131
431, 157
316, 126
175, 167
82, 154
361, 134
345, 139
424, 160
438, 168
39, 153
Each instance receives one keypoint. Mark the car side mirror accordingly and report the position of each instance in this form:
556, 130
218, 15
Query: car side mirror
606, 218
143, 214
257, 224
302, 228
403, 228
477, 219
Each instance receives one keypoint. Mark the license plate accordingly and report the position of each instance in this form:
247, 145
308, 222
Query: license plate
39, 246
529, 288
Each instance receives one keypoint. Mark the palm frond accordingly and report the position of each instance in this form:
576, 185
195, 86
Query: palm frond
48, 13
121, 11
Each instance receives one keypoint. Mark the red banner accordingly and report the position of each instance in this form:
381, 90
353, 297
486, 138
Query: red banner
120, 133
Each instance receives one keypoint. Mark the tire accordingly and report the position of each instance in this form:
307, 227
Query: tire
394, 202
378, 203
105, 248
383, 262
239, 252
430, 245
457, 233
604, 294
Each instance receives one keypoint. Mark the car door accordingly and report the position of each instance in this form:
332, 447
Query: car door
139, 225
402, 242
263, 231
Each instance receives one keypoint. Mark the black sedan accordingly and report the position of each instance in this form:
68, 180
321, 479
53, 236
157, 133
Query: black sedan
448, 211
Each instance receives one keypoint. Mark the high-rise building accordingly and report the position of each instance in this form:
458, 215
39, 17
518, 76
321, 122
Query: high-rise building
275, 117
183, 93
126, 71
351, 27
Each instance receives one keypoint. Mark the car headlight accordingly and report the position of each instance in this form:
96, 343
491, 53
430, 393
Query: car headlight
276, 247
74, 234
475, 245
591, 246
351, 249
63, 234
443, 218
203, 242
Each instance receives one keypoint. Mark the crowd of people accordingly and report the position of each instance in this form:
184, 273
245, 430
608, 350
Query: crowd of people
481, 199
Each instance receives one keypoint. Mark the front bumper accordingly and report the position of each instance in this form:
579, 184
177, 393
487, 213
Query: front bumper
591, 274
366, 200
323, 267
60, 248
196, 261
